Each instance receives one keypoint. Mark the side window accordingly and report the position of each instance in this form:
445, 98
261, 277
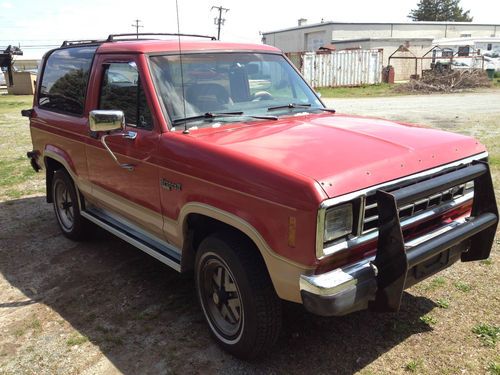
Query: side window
64, 81
121, 89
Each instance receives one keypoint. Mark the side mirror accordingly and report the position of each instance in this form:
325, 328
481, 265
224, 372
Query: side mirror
106, 120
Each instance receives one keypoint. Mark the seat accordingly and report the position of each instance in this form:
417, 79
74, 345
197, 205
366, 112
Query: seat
207, 96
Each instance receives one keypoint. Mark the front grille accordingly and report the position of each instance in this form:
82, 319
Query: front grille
370, 220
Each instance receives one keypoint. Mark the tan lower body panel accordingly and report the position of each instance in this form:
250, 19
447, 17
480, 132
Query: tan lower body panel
285, 274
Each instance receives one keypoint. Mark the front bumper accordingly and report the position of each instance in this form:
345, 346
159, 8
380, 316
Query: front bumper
378, 282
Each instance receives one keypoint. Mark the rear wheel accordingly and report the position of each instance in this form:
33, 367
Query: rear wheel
66, 207
237, 296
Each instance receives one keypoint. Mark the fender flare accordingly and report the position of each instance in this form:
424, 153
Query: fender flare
284, 273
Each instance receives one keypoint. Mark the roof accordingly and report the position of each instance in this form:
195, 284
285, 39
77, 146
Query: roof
320, 24
172, 45
383, 39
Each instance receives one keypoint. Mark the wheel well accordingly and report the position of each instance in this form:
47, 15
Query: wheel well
198, 227
51, 166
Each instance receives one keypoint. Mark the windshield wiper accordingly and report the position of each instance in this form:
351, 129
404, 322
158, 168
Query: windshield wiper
291, 105
298, 105
210, 115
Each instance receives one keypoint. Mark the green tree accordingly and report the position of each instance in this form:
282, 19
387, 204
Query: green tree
440, 10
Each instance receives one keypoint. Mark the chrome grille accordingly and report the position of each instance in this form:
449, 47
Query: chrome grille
370, 220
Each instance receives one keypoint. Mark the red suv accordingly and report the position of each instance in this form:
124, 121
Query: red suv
220, 159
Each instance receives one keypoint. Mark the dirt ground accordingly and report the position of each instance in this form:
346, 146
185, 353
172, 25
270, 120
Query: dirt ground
103, 307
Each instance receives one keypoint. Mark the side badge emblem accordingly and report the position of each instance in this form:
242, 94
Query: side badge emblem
168, 185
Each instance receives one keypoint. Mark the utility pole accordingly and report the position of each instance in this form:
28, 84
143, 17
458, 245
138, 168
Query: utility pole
137, 26
219, 20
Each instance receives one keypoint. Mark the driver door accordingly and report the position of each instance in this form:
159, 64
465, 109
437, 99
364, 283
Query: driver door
133, 194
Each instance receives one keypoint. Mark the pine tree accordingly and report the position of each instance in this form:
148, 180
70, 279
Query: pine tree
440, 10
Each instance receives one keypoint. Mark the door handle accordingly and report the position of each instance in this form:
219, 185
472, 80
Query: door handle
130, 135
127, 135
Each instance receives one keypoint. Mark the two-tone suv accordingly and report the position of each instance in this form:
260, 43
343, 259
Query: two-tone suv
220, 159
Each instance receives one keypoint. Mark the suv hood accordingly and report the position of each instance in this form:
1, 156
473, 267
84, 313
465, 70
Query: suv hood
343, 153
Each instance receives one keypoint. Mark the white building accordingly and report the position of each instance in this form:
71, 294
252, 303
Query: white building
305, 37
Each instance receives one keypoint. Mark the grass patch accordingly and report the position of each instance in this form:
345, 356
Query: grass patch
34, 325
413, 365
428, 319
76, 339
487, 333
443, 303
462, 286
486, 262
383, 89
17, 178
435, 283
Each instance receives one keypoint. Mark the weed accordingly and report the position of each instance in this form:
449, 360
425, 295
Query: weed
428, 319
33, 325
486, 262
463, 287
487, 333
413, 365
435, 283
494, 368
76, 339
443, 303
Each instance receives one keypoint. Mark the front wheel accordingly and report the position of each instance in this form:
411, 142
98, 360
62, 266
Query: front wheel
237, 296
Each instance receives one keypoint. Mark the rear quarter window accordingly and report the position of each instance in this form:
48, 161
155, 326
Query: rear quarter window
64, 81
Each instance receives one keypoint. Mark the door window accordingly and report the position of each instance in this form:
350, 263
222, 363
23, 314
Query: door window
121, 89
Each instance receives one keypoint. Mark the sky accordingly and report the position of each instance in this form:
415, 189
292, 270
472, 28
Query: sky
49, 22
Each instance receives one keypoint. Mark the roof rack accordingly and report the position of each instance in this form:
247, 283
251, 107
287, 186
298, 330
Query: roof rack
67, 43
111, 37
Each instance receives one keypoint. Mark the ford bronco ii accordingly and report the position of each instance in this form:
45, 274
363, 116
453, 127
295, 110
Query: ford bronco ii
219, 159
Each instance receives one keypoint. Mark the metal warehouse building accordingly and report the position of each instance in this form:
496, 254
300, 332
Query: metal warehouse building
418, 37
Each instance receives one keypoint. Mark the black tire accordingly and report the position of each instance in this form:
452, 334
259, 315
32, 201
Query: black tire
257, 305
67, 208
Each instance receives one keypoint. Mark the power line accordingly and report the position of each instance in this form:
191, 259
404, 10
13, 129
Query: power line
219, 20
137, 26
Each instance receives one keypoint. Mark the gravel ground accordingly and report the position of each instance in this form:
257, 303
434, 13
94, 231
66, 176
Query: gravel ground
424, 109
103, 307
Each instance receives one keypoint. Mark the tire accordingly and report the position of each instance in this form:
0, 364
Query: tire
236, 295
66, 206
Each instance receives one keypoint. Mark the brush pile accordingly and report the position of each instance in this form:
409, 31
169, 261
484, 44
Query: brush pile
449, 81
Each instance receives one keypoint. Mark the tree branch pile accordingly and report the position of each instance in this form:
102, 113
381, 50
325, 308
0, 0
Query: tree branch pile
453, 81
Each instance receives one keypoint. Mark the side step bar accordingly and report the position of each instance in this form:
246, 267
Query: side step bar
394, 260
160, 250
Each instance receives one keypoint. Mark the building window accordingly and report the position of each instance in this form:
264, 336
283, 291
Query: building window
463, 51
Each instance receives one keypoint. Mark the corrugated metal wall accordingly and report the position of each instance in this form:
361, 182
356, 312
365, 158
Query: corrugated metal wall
342, 68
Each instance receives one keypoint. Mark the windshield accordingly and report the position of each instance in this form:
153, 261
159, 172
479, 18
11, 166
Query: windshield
238, 83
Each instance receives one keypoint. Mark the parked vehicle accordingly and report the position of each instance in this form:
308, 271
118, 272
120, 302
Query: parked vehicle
222, 161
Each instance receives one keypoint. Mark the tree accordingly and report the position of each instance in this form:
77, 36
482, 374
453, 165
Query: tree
440, 10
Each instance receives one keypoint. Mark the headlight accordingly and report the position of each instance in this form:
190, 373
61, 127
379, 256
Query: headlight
338, 222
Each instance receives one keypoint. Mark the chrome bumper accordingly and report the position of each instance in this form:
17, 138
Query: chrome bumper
378, 282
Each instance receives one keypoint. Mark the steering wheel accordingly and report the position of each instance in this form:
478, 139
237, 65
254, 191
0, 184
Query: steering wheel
262, 95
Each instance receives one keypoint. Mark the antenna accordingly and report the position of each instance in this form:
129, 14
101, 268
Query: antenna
186, 131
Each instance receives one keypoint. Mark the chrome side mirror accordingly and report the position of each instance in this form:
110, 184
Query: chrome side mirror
105, 120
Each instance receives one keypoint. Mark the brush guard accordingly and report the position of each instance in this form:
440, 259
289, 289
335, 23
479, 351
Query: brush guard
393, 260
